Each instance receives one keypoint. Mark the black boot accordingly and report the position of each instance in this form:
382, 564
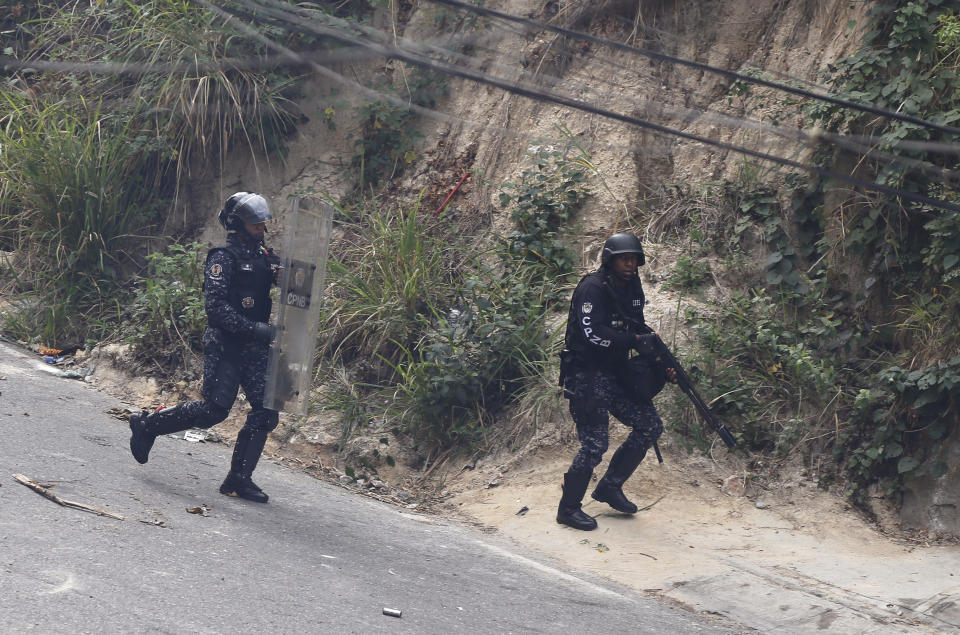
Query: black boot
145, 427
610, 488
569, 512
246, 454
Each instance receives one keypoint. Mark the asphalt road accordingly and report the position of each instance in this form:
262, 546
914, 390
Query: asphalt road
315, 559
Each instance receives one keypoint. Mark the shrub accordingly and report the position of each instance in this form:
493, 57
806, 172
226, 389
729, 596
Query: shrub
393, 271
167, 319
473, 360
71, 198
542, 204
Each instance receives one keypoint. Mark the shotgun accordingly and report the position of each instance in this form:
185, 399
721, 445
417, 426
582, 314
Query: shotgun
652, 344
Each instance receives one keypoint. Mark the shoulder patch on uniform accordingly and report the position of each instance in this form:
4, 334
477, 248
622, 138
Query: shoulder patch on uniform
216, 270
247, 302
587, 307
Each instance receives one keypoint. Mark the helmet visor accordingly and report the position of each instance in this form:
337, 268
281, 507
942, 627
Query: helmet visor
252, 209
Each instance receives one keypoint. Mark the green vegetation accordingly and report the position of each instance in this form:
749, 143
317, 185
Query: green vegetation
387, 138
71, 197
542, 204
442, 333
688, 274
91, 162
910, 250
849, 345
166, 318
439, 341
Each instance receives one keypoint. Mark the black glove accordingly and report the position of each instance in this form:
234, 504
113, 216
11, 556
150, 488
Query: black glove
263, 332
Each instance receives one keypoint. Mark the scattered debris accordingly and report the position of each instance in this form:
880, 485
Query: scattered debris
195, 436
599, 546
203, 510
119, 413
198, 435
391, 612
44, 490
734, 485
495, 480
523, 510
156, 522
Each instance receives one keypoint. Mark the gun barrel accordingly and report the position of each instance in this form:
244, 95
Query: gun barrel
726, 436
683, 380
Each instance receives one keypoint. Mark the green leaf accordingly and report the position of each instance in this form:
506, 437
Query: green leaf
907, 464
892, 450
950, 261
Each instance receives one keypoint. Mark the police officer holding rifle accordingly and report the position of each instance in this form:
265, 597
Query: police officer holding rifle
600, 378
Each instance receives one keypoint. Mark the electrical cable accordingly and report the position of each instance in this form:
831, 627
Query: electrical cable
698, 65
866, 147
658, 35
390, 51
519, 88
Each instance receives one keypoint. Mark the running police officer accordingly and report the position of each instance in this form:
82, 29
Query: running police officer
604, 324
236, 344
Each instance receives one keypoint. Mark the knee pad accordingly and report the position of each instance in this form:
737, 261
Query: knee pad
262, 420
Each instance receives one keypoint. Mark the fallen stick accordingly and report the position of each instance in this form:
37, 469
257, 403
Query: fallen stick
651, 505
46, 493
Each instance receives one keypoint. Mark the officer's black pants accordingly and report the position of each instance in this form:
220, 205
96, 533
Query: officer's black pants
596, 394
230, 363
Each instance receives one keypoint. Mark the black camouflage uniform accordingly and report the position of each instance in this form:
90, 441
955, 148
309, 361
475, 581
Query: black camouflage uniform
602, 327
236, 344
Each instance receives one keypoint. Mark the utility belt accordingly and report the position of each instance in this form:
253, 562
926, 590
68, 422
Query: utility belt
573, 362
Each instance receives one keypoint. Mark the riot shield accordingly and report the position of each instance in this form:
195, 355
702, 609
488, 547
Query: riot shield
304, 259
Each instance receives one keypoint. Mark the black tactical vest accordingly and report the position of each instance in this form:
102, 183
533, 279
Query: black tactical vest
250, 292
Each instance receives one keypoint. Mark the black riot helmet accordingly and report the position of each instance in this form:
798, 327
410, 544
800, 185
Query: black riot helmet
243, 207
622, 243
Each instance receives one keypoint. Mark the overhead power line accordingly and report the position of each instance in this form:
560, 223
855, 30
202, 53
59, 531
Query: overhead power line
346, 33
523, 89
699, 66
